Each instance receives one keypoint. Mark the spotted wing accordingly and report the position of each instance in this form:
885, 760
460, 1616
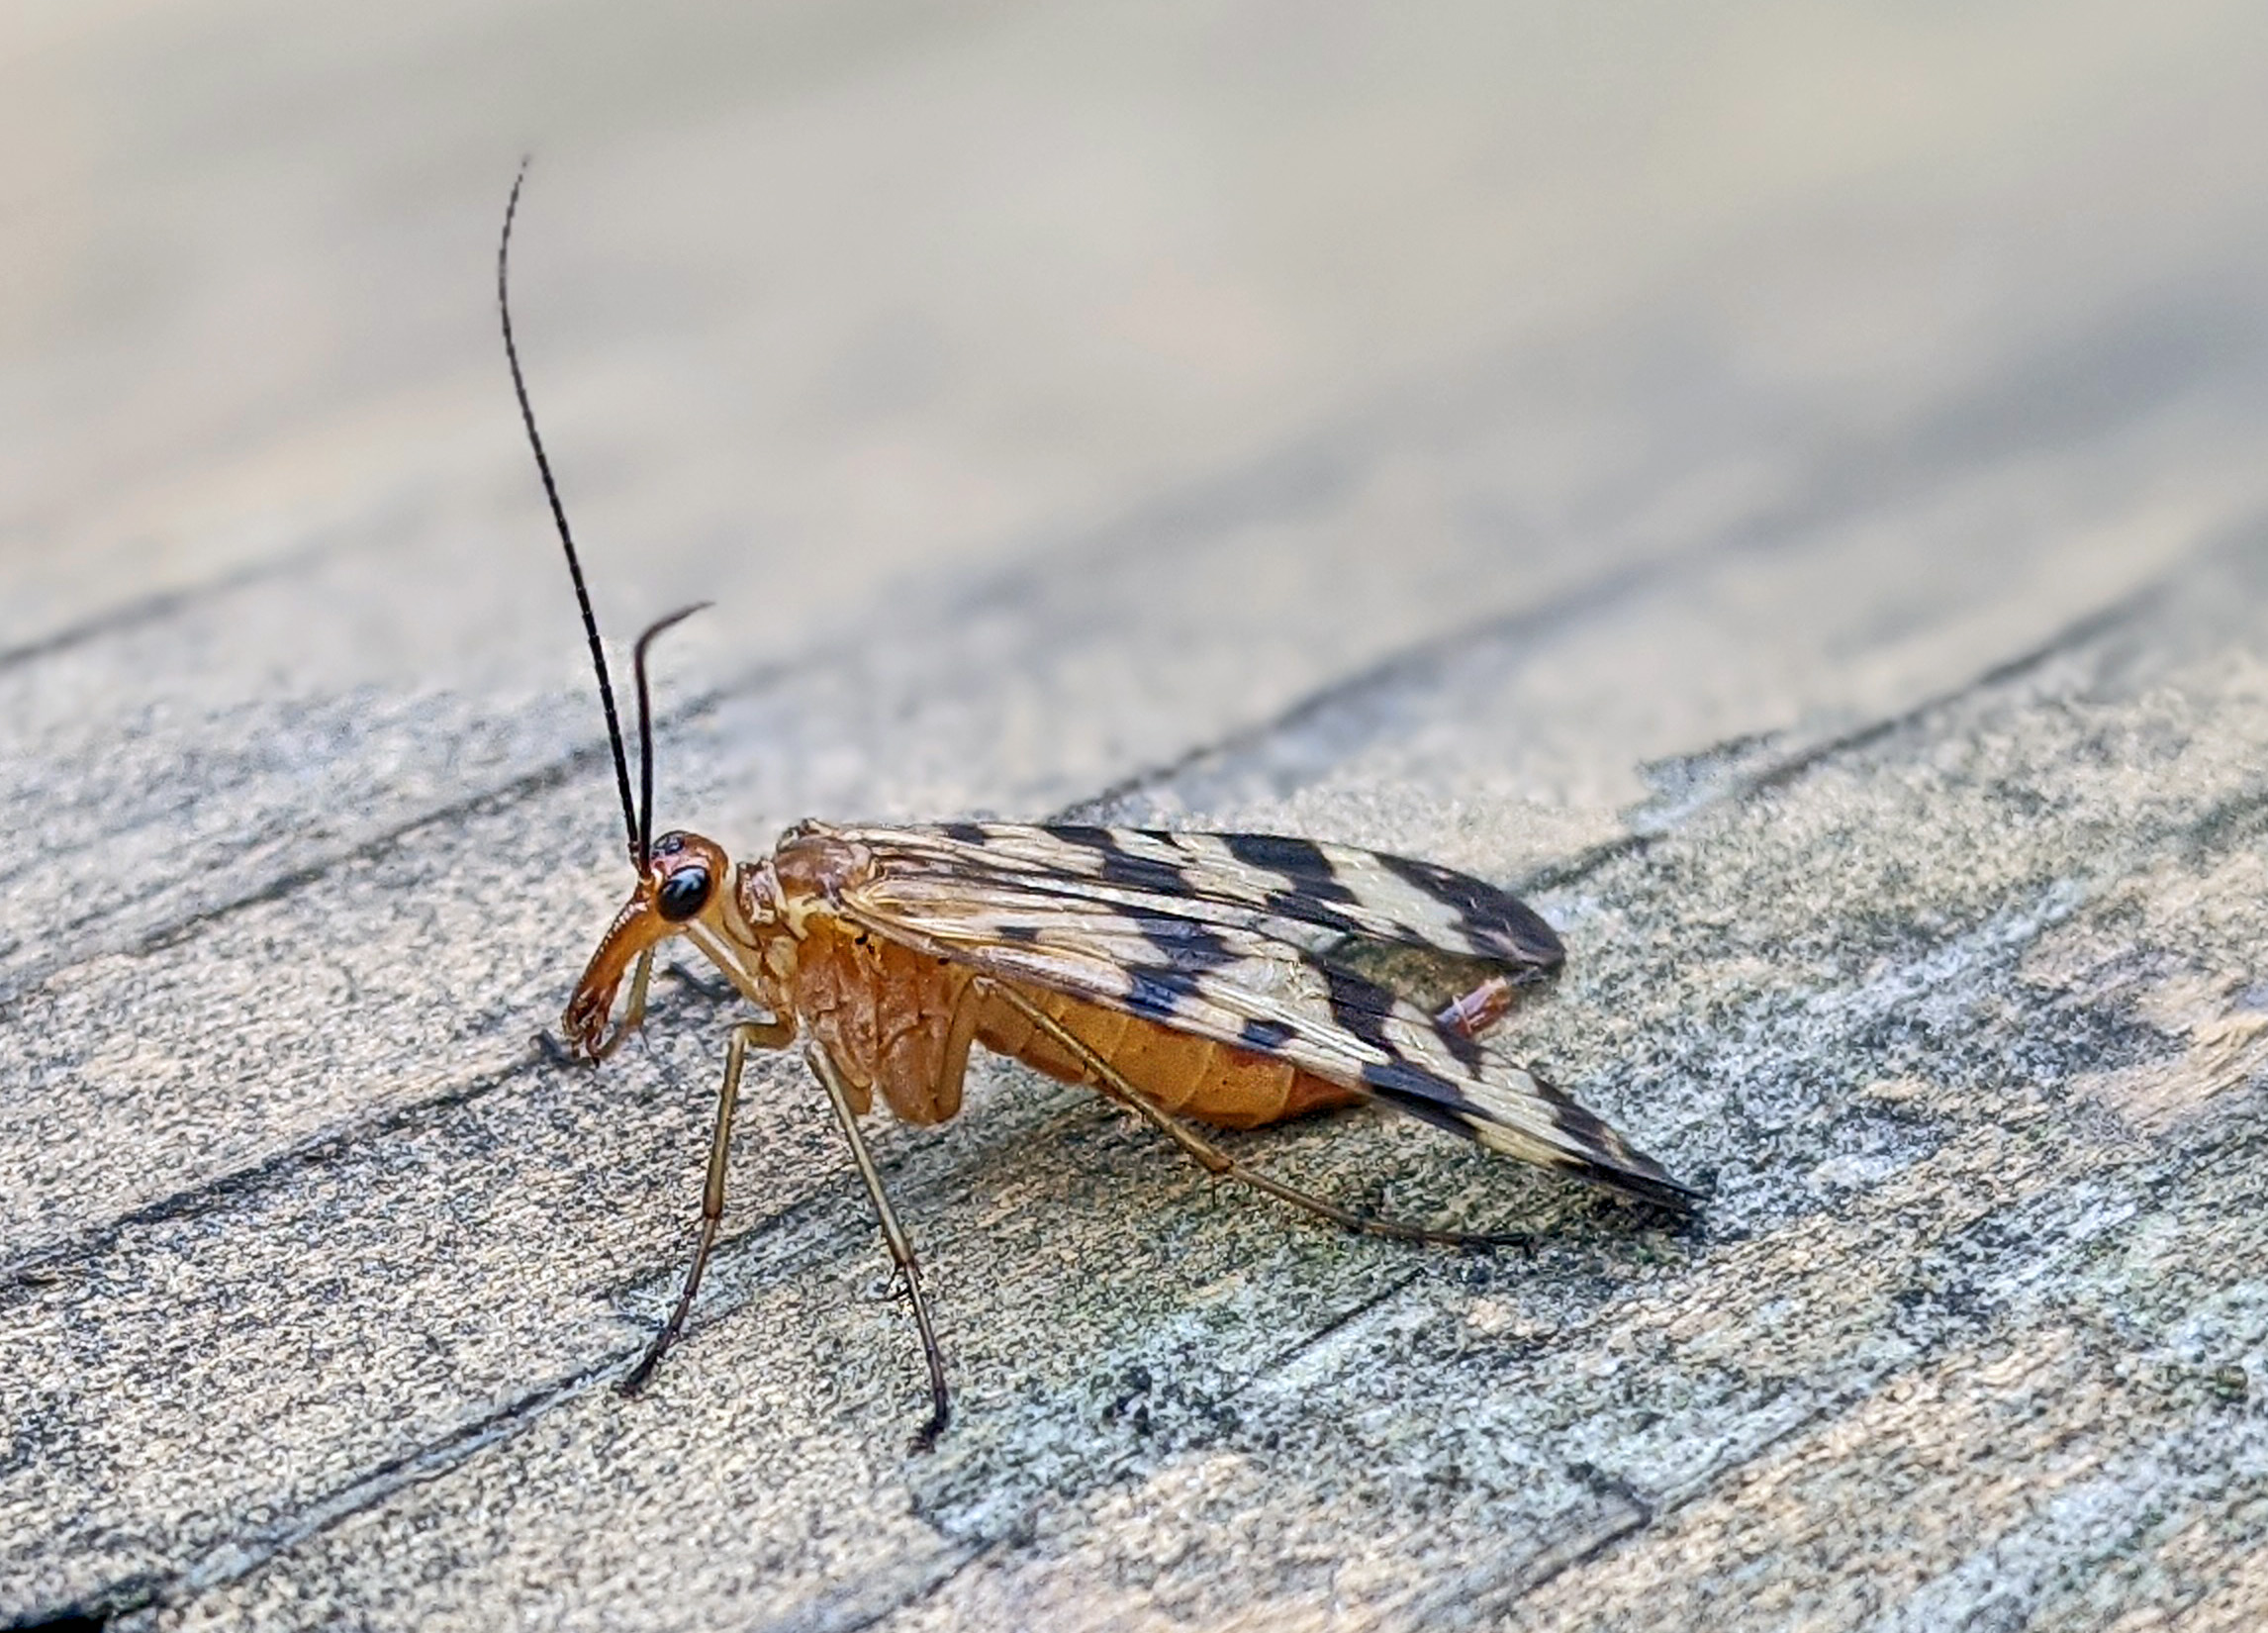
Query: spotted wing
1207, 943
1293, 890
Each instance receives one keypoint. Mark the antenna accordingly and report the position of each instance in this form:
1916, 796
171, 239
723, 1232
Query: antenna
643, 844
637, 829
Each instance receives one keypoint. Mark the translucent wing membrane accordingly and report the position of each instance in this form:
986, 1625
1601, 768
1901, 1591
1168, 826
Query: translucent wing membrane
1245, 939
1297, 890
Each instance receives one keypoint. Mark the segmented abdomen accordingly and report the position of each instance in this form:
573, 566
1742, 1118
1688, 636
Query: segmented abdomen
1194, 1076
887, 1014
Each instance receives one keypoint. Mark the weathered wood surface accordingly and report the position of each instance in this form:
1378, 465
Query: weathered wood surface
1783, 487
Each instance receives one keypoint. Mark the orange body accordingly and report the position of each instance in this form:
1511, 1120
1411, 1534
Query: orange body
900, 1021
897, 1020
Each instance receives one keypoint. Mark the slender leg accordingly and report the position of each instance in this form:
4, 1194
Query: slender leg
900, 1248
1113, 1085
764, 1034
1478, 1010
634, 1012
953, 1060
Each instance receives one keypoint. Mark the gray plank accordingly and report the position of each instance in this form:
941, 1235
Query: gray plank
1784, 493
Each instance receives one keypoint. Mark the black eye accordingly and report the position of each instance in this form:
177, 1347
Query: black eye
682, 894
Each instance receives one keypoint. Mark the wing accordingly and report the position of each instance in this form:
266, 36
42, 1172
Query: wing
1296, 890
1243, 939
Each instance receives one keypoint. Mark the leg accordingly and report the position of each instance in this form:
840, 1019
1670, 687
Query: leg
634, 1012
1218, 1163
901, 1249
1478, 1010
764, 1034
953, 1061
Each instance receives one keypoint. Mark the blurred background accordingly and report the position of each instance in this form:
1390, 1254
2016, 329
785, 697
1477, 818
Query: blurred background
821, 297
1252, 344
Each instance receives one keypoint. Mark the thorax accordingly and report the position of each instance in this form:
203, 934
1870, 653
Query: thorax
764, 943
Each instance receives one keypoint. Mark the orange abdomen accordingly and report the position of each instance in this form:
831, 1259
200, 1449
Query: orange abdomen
885, 1013
1193, 1076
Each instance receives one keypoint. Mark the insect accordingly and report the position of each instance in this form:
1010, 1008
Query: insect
1230, 979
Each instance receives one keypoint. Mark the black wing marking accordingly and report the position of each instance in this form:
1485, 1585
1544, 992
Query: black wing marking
1309, 894
1202, 942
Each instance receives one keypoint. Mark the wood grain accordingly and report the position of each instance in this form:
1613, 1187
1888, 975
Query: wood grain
1781, 488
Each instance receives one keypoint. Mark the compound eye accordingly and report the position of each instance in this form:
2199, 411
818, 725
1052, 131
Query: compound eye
682, 894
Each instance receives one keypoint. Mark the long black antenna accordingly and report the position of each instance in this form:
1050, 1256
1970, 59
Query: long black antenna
638, 849
643, 844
